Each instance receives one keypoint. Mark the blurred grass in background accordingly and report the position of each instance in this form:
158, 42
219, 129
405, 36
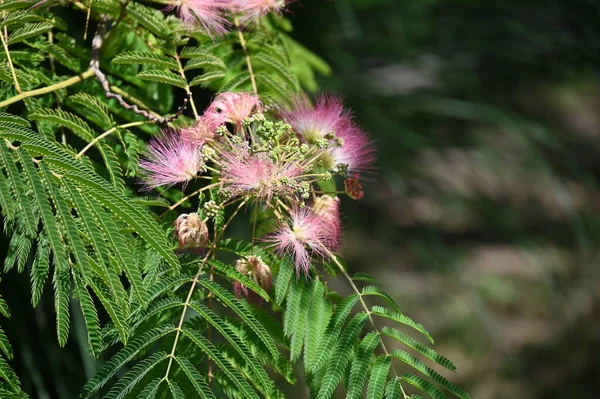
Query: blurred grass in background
483, 219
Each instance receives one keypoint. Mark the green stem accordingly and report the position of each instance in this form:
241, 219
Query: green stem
186, 305
10, 64
48, 89
248, 62
187, 86
108, 132
364, 305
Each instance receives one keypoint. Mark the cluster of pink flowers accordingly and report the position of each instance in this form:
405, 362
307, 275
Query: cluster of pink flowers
275, 161
212, 14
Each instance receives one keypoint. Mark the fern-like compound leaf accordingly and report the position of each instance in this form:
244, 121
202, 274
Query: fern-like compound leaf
378, 377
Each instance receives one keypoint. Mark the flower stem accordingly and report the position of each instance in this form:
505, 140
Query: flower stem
248, 61
49, 89
187, 197
108, 132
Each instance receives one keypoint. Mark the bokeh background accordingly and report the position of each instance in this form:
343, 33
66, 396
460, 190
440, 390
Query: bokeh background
483, 219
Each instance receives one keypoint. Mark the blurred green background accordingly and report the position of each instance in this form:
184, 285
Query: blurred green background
483, 219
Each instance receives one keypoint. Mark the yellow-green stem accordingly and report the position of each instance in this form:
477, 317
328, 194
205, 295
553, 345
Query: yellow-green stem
248, 61
48, 89
106, 133
4, 38
366, 309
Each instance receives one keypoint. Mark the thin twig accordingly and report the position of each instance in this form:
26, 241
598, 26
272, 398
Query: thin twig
106, 133
187, 86
248, 61
191, 291
95, 66
10, 64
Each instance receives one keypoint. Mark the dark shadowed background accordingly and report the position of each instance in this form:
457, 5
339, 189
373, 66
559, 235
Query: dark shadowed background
482, 220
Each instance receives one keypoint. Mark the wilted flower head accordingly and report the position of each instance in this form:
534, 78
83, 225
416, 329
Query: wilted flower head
170, 160
207, 13
252, 10
327, 208
303, 236
199, 133
232, 108
255, 269
256, 174
191, 232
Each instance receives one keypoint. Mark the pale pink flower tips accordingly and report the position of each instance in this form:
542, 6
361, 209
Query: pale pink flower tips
232, 108
253, 10
328, 118
170, 160
207, 13
303, 236
256, 174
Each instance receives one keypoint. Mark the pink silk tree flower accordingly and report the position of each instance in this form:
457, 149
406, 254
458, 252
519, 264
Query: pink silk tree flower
253, 10
315, 122
302, 237
356, 150
232, 108
199, 133
328, 118
327, 208
207, 13
170, 160
256, 174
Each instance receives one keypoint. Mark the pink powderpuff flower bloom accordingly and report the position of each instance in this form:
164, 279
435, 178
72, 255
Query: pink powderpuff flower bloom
199, 133
328, 209
302, 237
315, 122
328, 116
253, 10
170, 160
232, 108
207, 13
356, 150
244, 173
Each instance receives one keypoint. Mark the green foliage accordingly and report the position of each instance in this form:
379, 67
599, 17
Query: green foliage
70, 207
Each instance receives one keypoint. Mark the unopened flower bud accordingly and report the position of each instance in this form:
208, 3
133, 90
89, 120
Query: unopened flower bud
191, 232
255, 269
353, 187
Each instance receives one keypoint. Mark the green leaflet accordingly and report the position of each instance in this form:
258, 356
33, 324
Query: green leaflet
332, 331
237, 344
231, 302
131, 350
423, 385
146, 58
199, 382
156, 75
419, 347
378, 377
135, 375
211, 351
341, 355
21, 34
360, 365
429, 372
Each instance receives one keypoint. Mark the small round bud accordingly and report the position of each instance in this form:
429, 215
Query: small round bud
191, 232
